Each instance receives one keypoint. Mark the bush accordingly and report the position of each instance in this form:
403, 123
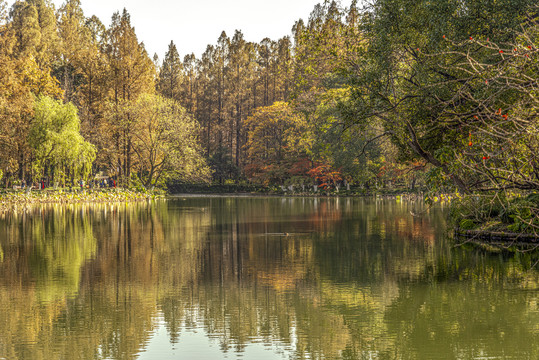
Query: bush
515, 214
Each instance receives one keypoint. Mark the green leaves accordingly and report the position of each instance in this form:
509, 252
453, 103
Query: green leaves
58, 146
276, 140
165, 141
431, 76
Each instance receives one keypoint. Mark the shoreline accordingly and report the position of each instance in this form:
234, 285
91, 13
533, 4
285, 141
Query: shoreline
497, 240
343, 193
14, 198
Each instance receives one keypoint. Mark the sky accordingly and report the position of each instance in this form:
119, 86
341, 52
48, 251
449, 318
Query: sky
193, 24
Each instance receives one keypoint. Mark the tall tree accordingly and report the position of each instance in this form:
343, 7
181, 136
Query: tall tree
28, 46
220, 58
34, 23
131, 73
170, 74
15, 103
205, 99
74, 40
189, 83
92, 92
239, 66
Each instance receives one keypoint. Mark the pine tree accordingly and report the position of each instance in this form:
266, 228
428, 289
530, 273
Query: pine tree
189, 83
35, 27
15, 104
74, 40
131, 73
170, 74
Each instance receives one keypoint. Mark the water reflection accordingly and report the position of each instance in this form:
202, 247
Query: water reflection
298, 278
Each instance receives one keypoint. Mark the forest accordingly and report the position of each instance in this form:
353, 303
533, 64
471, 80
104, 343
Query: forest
394, 93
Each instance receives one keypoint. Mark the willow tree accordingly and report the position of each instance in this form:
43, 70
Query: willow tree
59, 149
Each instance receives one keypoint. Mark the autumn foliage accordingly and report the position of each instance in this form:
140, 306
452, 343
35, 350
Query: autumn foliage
325, 176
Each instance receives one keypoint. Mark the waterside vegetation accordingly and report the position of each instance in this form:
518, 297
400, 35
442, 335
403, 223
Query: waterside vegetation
440, 96
15, 200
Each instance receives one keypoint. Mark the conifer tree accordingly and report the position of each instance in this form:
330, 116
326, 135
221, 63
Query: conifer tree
34, 23
170, 74
131, 74
74, 39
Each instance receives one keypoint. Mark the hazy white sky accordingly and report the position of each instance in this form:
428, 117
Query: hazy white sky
193, 24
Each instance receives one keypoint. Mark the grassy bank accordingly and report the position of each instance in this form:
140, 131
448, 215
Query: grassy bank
13, 198
497, 218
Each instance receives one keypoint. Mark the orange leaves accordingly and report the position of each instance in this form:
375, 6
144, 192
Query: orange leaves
326, 175
300, 167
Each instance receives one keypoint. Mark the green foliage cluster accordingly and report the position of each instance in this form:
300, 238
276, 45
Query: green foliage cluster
516, 213
79, 99
453, 85
58, 147
223, 166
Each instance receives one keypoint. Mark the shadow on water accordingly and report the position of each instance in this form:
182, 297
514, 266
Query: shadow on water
283, 277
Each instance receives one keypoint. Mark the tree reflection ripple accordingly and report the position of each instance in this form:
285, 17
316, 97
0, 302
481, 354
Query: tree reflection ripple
283, 278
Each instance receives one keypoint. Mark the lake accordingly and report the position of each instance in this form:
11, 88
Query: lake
258, 278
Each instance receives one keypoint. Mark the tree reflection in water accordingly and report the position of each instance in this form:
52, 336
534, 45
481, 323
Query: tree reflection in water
314, 277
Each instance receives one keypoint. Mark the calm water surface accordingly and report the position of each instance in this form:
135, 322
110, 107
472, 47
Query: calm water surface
257, 278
